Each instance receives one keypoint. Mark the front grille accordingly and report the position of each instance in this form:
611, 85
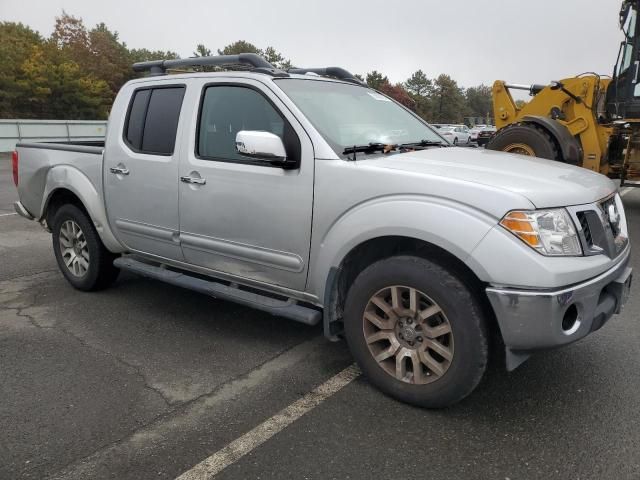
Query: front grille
586, 231
600, 228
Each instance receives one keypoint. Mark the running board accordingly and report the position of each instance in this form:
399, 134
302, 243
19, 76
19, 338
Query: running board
282, 308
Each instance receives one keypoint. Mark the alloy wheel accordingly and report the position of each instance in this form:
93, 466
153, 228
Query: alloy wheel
74, 248
408, 334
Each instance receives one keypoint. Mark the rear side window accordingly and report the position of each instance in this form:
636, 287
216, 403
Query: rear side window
152, 121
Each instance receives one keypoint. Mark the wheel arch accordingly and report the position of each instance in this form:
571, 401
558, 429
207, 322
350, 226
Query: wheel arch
367, 252
569, 146
56, 199
67, 184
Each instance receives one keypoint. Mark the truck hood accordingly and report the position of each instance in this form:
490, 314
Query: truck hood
545, 183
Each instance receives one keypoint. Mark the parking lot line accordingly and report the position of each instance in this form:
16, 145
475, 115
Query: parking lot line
238, 448
7, 214
624, 191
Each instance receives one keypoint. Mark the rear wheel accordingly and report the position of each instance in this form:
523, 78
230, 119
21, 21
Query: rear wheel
82, 258
416, 331
455, 141
525, 139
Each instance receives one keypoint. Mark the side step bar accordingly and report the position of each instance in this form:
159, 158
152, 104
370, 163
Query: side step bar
282, 308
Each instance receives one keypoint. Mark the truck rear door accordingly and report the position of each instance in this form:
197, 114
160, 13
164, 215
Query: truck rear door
141, 170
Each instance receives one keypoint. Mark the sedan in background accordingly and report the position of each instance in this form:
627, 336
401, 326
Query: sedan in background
485, 135
456, 134
474, 132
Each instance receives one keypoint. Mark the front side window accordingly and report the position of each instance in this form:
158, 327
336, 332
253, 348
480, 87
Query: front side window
347, 115
226, 110
152, 121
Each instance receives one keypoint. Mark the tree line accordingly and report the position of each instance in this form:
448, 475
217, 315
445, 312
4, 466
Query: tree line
76, 72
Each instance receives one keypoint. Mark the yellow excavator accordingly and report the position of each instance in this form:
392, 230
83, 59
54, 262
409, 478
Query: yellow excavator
588, 120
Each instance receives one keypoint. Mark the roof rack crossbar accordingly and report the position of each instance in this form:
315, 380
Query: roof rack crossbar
160, 67
337, 72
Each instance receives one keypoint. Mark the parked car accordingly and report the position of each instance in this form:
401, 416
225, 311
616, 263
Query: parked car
456, 134
474, 132
485, 135
317, 199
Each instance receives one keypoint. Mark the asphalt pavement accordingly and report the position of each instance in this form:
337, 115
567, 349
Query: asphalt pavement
145, 381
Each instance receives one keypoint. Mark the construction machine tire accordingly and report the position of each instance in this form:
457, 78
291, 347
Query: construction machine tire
525, 139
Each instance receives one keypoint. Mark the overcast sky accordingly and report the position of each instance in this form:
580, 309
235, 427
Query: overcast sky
474, 41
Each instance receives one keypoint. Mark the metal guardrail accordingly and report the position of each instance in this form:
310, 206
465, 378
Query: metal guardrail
15, 131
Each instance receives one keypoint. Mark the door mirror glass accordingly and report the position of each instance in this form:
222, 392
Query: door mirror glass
260, 145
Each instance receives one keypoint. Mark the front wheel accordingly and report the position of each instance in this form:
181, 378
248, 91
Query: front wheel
82, 258
416, 331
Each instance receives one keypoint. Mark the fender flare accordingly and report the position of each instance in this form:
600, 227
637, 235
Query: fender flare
65, 177
454, 227
570, 147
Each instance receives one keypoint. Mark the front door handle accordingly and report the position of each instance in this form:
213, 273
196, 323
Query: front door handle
119, 170
195, 180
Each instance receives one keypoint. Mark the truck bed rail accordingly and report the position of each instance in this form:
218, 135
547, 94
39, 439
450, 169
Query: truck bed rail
93, 147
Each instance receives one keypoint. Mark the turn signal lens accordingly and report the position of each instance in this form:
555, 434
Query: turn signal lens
549, 232
519, 224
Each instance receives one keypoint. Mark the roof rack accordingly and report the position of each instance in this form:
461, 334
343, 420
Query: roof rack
255, 61
336, 72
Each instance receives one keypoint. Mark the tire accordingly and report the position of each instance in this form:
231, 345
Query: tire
455, 141
460, 324
525, 139
76, 242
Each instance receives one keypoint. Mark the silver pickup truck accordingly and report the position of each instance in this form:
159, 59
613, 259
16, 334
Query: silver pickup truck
314, 198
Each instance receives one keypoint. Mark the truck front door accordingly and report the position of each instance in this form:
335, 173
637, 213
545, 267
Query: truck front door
243, 216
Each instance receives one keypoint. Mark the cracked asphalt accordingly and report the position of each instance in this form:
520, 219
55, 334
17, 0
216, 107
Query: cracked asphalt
145, 380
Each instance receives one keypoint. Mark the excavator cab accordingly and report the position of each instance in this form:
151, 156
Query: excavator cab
623, 94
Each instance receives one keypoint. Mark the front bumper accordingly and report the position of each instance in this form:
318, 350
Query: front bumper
531, 320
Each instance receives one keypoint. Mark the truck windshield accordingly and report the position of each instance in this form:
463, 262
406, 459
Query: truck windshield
347, 115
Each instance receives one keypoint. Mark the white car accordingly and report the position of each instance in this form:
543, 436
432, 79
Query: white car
474, 132
456, 134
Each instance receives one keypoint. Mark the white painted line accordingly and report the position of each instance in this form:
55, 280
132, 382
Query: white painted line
238, 448
624, 191
7, 214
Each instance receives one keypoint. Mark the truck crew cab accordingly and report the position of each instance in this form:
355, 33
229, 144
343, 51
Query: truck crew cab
310, 196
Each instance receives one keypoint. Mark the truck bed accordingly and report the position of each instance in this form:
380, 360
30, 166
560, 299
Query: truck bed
44, 165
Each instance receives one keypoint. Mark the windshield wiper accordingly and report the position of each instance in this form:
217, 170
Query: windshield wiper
390, 147
368, 148
425, 143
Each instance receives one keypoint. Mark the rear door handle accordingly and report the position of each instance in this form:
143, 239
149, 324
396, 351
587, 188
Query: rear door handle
195, 180
119, 170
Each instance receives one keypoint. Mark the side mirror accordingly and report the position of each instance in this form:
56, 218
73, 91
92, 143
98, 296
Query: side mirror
261, 145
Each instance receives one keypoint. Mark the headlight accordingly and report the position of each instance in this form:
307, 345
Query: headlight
550, 232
